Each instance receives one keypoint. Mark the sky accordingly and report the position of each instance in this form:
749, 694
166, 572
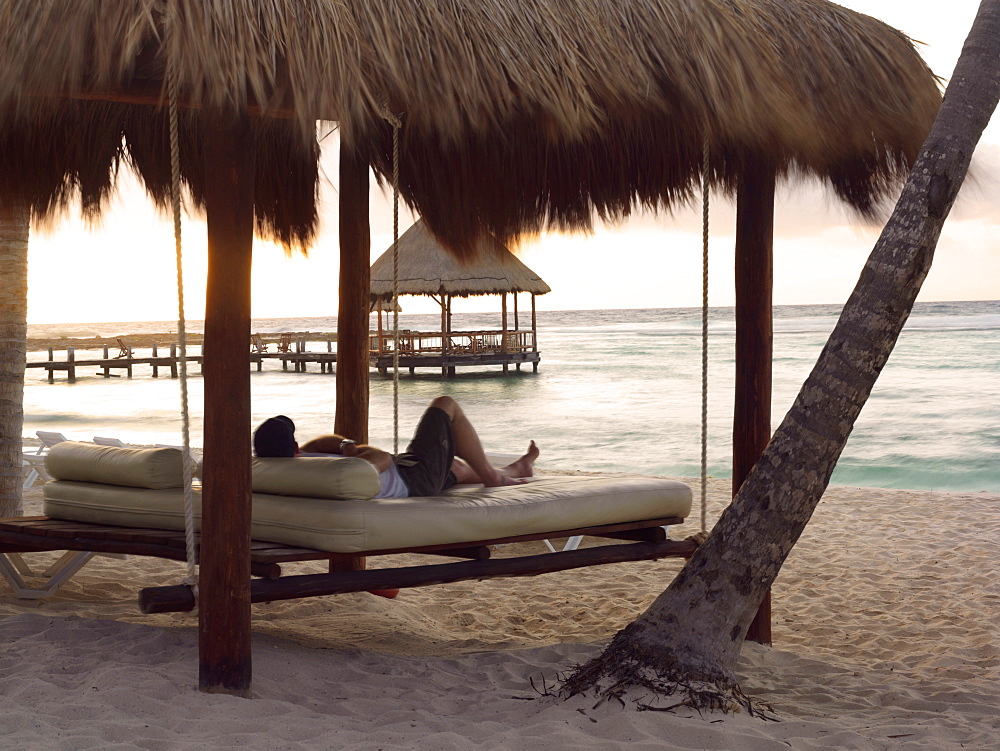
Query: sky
125, 268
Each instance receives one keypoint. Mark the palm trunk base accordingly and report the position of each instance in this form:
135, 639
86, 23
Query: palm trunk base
628, 673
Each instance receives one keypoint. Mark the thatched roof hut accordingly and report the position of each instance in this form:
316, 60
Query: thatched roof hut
421, 265
515, 116
426, 267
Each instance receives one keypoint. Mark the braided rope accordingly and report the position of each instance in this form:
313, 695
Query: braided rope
395, 286
704, 343
175, 200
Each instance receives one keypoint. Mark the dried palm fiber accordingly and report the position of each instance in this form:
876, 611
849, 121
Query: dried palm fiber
427, 268
532, 113
286, 167
76, 150
297, 58
804, 85
73, 150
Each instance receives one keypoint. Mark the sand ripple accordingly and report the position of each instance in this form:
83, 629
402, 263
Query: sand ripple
885, 627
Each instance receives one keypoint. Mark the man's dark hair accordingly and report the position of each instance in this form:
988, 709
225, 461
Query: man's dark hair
275, 437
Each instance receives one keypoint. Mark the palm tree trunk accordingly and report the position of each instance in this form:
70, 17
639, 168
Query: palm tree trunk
694, 630
13, 336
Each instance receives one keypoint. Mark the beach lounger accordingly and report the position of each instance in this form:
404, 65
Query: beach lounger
33, 466
129, 501
33, 462
12, 565
48, 439
124, 350
102, 441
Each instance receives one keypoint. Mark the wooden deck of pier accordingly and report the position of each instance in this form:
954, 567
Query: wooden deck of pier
417, 349
451, 350
297, 355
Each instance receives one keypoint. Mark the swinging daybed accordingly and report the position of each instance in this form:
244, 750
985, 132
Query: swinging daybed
109, 499
124, 500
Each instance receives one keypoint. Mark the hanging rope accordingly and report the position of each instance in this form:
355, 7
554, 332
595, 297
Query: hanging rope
704, 342
395, 282
175, 200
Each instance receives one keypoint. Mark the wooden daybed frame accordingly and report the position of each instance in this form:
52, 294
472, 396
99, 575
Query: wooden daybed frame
647, 540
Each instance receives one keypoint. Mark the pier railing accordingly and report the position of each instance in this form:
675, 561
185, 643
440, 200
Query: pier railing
291, 350
454, 342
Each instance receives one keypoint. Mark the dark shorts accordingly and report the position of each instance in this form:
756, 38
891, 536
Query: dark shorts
425, 466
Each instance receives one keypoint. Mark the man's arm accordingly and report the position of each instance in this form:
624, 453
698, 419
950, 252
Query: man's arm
331, 444
380, 459
325, 444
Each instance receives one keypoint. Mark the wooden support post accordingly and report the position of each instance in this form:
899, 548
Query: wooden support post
534, 325
156, 369
534, 333
381, 336
355, 287
354, 563
503, 328
445, 335
503, 323
754, 338
173, 360
71, 365
224, 607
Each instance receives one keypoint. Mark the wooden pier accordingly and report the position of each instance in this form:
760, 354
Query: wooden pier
296, 355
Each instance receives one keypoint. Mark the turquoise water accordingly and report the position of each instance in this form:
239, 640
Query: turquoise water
617, 390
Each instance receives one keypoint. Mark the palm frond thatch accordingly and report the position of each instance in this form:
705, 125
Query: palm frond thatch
426, 267
286, 170
517, 115
805, 86
74, 150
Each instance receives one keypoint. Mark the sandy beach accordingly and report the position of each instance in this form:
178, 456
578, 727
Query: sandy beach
886, 635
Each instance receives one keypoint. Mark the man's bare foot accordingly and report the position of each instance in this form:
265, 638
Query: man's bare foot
525, 466
502, 481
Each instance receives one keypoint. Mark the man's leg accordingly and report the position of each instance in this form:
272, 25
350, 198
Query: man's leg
470, 448
521, 468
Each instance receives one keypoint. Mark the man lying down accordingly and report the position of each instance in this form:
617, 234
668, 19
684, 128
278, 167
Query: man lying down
445, 451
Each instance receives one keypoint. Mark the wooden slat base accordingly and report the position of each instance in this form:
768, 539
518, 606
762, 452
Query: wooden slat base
180, 598
40, 533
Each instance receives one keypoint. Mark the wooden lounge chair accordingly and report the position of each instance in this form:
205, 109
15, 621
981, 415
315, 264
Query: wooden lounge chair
257, 344
285, 343
306, 511
124, 350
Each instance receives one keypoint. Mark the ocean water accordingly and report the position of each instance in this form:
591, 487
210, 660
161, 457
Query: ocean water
616, 390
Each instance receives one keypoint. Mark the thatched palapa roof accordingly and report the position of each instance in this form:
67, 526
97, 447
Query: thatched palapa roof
426, 267
805, 86
517, 115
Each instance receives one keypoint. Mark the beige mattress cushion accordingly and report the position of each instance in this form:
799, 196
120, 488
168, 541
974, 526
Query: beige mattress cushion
112, 465
466, 513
